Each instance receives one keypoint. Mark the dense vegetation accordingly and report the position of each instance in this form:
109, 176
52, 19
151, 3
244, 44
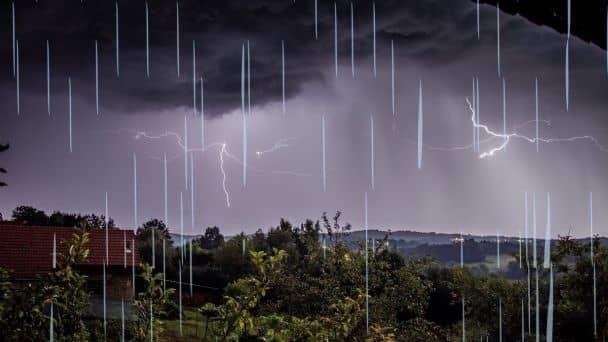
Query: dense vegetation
286, 285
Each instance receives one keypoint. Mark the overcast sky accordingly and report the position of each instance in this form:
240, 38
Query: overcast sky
435, 43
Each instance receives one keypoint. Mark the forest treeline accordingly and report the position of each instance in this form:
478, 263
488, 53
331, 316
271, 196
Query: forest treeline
286, 284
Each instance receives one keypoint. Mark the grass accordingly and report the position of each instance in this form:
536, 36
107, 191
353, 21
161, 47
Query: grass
193, 327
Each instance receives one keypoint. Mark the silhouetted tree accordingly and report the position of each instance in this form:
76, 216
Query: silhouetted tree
3, 170
211, 239
30, 216
144, 244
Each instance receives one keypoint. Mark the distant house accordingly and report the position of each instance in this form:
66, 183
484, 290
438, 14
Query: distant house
27, 251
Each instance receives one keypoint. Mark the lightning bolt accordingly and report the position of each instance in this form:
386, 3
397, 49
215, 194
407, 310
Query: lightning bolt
223, 154
507, 137
283, 143
470, 146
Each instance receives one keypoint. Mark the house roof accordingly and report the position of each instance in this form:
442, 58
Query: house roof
28, 250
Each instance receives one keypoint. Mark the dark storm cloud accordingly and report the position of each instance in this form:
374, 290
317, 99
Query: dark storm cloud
219, 29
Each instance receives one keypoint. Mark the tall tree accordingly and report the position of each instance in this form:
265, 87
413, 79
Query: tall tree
3, 170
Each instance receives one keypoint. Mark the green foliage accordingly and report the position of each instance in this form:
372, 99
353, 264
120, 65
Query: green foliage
22, 310
287, 286
70, 297
151, 306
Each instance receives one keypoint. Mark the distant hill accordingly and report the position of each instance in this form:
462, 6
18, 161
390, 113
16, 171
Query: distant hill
415, 237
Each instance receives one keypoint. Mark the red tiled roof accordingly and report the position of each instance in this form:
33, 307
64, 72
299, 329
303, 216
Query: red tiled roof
28, 250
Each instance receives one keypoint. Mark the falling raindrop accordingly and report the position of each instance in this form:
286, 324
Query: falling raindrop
569, 18
190, 267
477, 10
192, 213
536, 111
96, 77
500, 319
374, 35
124, 237
591, 225
18, 79
534, 257
248, 80
48, 78
529, 301
549, 337
106, 221
133, 264
464, 331
69, 110
14, 41
547, 259
166, 189
153, 247
336, 37
316, 20
420, 126
186, 151
283, 73
461, 240
393, 76
104, 298
177, 35
323, 153
51, 325
372, 159
117, 42
151, 323
122, 320
474, 105
477, 109
497, 250
54, 250
244, 245
194, 76
202, 115
567, 73
366, 271
498, 37
352, 39
180, 297
181, 222
147, 43
504, 107
164, 268
526, 230
537, 309
134, 190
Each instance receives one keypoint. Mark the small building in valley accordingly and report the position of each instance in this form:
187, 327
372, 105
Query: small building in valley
28, 253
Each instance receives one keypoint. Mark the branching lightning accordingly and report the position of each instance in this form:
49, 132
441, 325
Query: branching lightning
223, 154
282, 143
506, 138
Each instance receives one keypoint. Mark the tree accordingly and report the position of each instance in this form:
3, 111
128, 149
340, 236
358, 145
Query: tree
211, 239
3, 148
144, 239
29, 215
70, 297
151, 306
89, 221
